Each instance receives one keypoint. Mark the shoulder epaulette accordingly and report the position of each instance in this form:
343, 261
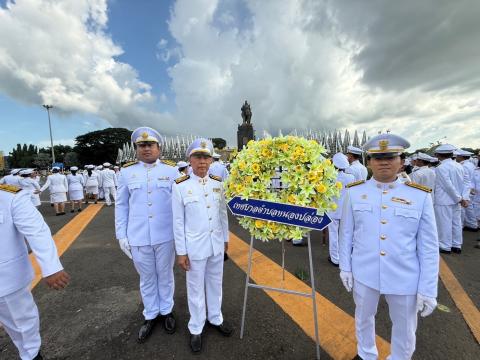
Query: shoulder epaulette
418, 186
182, 179
355, 183
169, 162
215, 177
10, 188
129, 164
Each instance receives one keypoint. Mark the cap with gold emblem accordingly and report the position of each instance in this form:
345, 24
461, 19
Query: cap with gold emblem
200, 146
145, 134
386, 145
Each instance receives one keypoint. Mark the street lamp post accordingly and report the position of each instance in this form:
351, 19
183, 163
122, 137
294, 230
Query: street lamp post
48, 107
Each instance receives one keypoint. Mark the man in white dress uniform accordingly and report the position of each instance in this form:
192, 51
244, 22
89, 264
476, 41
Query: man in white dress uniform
424, 175
143, 224
469, 221
398, 257
341, 163
356, 168
449, 199
201, 239
109, 183
217, 168
20, 221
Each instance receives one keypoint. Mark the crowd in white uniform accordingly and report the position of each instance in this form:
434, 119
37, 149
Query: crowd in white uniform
162, 211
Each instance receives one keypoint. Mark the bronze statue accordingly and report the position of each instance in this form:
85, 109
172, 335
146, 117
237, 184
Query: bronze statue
246, 113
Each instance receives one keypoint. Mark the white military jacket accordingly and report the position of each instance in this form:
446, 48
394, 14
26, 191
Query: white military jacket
75, 182
109, 178
218, 169
20, 221
424, 176
143, 209
359, 171
199, 216
345, 179
468, 168
56, 183
10, 180
388, 238
449, 183
476, 186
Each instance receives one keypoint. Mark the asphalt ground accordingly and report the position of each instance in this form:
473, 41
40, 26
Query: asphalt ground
99, 314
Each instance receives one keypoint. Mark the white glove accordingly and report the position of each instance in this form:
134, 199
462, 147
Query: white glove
125, 246
425, 305
347, 279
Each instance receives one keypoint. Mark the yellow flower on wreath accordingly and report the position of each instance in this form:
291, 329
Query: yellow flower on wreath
255, 168
259, 224
321, 188
339, 185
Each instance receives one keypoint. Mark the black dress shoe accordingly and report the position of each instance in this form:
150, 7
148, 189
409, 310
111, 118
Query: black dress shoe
196, 343
456, 250
470, 229
445, 251
72, 211
224, 328
79, 210
169, 323
146, 330
331, 262
357, 357
38, 357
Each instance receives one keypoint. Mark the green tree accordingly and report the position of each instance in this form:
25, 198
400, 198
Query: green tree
42, 160
219, 143
59, 150
71, 159
100, 146
22, 156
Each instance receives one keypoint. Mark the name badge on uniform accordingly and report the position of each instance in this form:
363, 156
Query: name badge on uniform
402, 201
216, 190
189, 192
164, 178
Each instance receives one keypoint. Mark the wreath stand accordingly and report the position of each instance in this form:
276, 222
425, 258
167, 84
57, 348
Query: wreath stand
311, 295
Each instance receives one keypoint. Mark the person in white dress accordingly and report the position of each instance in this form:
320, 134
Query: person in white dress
91, 184
29, 183
58, 186
76, 183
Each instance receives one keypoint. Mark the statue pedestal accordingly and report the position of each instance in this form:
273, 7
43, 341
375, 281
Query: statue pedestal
245, 133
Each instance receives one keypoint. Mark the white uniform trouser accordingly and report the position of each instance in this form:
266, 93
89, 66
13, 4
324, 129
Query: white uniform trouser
101, 194
449, 225
19, 316
403, 314
476, 210
110, 190
333, 240
468, 217
204, 279
154, 264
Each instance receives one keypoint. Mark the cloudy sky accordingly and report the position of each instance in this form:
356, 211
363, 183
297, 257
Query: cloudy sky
186, 66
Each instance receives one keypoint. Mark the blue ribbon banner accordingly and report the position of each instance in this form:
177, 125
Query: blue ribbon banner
305, 217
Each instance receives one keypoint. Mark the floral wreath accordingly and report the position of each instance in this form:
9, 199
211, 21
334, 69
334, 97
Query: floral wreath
301, 176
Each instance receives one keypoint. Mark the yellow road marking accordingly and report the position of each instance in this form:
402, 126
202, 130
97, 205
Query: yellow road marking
336, 328
462, 301
67, 235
